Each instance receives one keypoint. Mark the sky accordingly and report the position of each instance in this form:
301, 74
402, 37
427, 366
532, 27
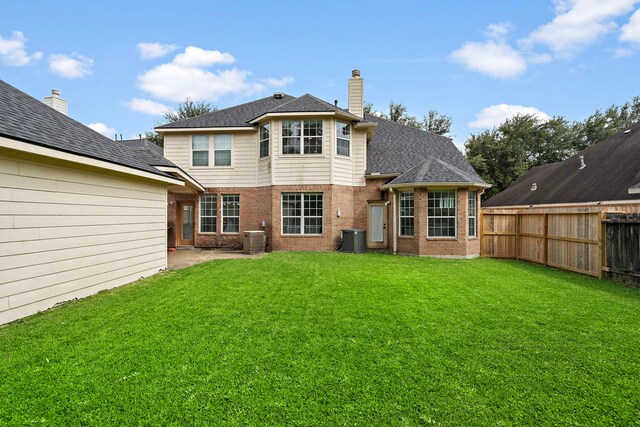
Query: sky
121, 64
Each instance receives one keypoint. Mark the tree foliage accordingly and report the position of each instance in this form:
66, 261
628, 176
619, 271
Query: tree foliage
186, 109
506, 152
433, 121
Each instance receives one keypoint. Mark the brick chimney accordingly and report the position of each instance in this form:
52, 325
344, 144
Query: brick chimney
54, 101
356, 94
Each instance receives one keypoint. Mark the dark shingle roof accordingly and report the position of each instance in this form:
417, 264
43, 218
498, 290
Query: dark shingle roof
27, 119
305, 103
237, 116
148, 152
612, 167
397, 148
434, 170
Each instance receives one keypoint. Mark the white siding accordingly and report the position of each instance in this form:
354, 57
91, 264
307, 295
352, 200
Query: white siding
359, 156
244, 157
67, 233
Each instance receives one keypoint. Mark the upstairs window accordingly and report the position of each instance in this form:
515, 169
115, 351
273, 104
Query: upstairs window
264, 140
473, 213
222, 150
441, 213
200, 150
302, 137
343, 143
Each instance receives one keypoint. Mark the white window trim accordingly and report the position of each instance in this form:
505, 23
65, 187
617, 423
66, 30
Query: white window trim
400, 216
455, 217
301, 138
191, 166
223, 216
212, 154
475, 217
213, 216
260, 141
337, 138
302, 217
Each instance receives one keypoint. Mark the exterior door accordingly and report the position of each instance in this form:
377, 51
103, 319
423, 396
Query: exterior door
186, 228
377, 225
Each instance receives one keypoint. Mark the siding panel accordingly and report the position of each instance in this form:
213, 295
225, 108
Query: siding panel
69, 232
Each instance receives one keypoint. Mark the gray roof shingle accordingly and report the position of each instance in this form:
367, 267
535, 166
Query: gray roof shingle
433, 170
396, 148
237, 116
148, 152
26, 119
611, 169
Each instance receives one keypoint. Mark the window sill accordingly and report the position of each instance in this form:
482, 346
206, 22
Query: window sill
443, 239
340, 156
209, 167
235, 233
301, 235
208, 233
406, 237
298, 156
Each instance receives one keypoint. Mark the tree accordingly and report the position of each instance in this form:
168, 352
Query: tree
186, 109
437, 123
368, 108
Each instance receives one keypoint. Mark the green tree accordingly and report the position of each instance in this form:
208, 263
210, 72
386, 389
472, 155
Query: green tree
186, 109
437, 123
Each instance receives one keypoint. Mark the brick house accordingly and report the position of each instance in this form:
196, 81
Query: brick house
302, 170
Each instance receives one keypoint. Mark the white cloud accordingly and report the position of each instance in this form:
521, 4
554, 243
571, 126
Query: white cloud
103, 129
70, 66
271, 81
495, 115
187, 76
498, 31
631, 31
197, 57
578, 24
623, 52
13, 51
493, 58
148, 107
155, 50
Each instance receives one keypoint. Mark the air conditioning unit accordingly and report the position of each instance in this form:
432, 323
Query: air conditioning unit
354, 241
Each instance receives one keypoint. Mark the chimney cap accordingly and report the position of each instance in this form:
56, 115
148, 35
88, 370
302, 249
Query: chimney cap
278, 95
355, 73
55, 92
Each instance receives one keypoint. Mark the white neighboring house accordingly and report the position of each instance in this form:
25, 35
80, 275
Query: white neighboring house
79, 212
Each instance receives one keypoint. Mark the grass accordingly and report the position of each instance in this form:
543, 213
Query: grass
332, 339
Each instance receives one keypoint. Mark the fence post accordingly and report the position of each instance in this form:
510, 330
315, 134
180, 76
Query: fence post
602, 245
481, 232
517, 235
545, 232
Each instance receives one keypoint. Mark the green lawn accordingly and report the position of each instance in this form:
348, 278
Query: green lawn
332, 339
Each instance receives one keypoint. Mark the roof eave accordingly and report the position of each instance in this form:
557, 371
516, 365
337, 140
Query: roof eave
436, 184
341, 114
162, 130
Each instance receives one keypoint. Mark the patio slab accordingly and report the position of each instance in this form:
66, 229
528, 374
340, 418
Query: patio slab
182, 258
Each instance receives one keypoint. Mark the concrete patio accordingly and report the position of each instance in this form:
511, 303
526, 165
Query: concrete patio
186, 257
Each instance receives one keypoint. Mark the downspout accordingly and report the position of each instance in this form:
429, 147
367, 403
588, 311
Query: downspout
395, 221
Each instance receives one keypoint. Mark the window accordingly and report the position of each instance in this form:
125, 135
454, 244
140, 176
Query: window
200, 150
473, 213
302, 137
406, 213
264, 140
441, 213
222, 150
302, 213
343, 133
208, 213
230, 213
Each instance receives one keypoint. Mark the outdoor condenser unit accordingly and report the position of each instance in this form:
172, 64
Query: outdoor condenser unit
354, 241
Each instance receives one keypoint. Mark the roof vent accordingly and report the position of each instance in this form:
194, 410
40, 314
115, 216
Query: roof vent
355, 73
582, 163
534, 186
278, 95
335, 102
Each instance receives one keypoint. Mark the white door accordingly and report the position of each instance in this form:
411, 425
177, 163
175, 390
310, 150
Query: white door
377, 233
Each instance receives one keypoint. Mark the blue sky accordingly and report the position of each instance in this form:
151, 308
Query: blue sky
120, 64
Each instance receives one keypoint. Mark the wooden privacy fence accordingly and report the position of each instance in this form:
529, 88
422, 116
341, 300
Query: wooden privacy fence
622, 250
571, 241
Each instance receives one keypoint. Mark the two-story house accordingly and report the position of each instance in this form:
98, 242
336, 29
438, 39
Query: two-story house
303, 170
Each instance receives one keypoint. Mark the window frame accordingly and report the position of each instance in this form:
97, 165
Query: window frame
304, 197
225, 216
262, 140
201, 210
400, 213
303, 139
454, 216
216, 150
475, 213
208, 151
338, 139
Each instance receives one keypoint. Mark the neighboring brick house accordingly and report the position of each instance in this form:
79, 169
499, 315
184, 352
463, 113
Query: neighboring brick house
303, 170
